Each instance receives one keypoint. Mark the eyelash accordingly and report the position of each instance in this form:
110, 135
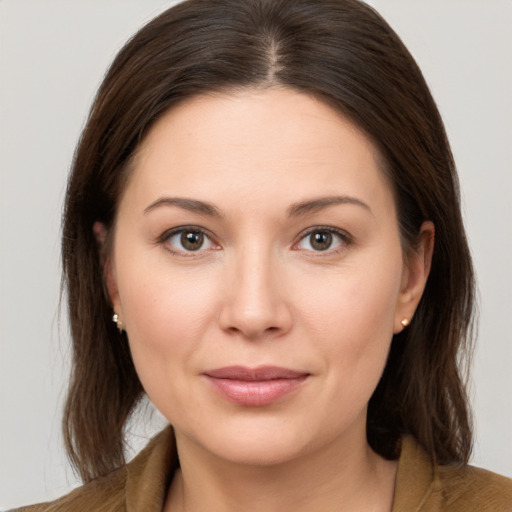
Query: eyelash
344, 237
167, 235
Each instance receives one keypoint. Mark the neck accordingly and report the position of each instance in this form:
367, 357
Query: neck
341, 477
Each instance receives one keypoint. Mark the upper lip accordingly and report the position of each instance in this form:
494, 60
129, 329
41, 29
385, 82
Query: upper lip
254, 374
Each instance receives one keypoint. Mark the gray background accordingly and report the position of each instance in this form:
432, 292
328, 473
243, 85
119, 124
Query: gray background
53, 54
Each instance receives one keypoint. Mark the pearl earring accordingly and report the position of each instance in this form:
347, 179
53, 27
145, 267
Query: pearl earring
118, 322
405, 322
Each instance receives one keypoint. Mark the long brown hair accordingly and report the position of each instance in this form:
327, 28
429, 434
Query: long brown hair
344, 53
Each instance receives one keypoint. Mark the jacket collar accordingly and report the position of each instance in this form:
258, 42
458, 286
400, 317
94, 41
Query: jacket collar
417, 487
150, 473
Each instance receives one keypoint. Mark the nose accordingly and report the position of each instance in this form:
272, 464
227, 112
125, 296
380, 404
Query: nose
254, 301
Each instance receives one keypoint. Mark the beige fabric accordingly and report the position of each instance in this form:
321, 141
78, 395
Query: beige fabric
141, 485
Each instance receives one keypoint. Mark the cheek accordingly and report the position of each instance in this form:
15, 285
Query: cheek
165, 318
360, 301
352, 314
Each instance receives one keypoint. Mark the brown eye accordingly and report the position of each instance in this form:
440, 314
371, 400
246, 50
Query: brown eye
320, 240
192, 240
188, 240
323, 240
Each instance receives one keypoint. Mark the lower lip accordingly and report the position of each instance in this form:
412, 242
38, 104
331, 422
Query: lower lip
255, 393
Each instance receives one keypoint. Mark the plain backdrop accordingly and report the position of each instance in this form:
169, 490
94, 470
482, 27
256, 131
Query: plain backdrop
53, 54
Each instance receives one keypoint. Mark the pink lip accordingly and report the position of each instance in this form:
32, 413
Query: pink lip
254, 386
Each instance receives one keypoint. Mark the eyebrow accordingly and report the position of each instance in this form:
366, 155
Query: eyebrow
295, 210
315, 205
192, 205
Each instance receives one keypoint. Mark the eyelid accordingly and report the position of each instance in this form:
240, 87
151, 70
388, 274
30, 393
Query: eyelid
166, 235
345, 237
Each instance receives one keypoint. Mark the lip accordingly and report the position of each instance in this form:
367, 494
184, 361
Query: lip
255, 387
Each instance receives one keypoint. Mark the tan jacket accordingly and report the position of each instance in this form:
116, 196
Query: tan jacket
141, 485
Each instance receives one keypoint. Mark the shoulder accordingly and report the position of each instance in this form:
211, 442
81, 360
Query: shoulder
426, 487
102, 494
469, 488
139, 485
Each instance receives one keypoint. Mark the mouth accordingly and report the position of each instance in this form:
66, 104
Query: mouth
255, 387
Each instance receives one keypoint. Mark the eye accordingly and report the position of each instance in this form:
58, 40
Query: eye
322, 239
186, 240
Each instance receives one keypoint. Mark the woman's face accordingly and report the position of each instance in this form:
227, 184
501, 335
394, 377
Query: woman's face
258, 271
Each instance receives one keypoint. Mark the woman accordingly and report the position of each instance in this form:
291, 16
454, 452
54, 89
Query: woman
265, 203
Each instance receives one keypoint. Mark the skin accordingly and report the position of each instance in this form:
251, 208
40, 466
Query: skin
258, 292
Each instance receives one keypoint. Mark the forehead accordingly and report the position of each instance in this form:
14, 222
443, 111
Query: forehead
274, 143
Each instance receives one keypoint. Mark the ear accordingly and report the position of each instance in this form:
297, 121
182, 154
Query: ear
100, 233
415, 273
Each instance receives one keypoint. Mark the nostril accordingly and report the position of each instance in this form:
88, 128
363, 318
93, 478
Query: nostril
254, 311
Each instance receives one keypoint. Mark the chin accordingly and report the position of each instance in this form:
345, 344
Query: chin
261, 451
261, 441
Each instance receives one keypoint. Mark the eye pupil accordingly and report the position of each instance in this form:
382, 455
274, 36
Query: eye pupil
192, 240
321, 240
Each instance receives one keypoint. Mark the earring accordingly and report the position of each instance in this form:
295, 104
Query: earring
405, 322
118, 322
